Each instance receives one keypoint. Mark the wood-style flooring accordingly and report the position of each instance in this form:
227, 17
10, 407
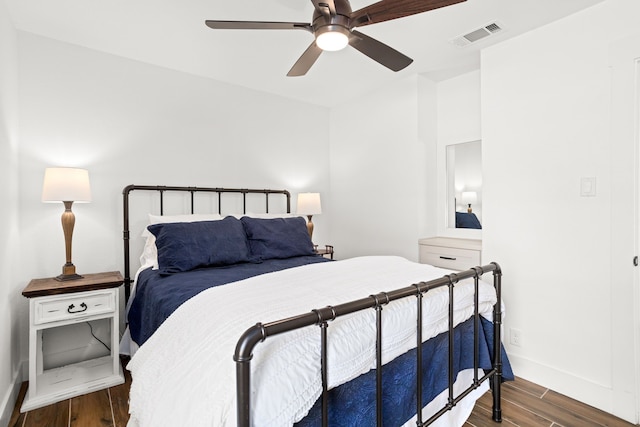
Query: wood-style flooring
524, 404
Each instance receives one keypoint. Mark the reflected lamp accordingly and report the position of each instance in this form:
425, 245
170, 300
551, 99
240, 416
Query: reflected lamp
469, 198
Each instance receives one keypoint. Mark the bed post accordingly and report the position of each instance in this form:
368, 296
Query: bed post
242, 357
497, 346
125, 239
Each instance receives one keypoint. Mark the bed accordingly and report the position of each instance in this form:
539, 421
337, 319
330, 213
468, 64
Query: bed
326, 346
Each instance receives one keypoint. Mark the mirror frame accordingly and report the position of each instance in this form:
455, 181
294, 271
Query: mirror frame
443, 213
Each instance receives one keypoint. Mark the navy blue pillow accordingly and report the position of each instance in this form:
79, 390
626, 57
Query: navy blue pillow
278, 237
184, 246
467, 220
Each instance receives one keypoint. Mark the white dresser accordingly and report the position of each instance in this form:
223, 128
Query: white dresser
451, 253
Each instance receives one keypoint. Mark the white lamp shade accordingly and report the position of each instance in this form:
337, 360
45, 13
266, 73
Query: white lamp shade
469, 197
66, 185
309, 204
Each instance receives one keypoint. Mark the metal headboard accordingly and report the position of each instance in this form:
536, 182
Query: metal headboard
192, 190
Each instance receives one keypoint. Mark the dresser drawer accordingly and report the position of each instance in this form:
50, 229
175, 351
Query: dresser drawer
450, 258
78, 305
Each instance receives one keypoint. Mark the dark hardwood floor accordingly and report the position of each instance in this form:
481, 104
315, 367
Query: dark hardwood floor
524, 404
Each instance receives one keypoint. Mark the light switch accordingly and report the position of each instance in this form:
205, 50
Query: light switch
588, 186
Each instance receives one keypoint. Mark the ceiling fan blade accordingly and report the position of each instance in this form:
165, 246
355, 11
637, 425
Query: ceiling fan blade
257, 25
326, 7
306, 61
379, 52
386, 10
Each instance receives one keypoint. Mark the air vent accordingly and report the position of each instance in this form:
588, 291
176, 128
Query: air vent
478, 34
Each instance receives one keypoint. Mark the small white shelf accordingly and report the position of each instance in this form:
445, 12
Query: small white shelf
69, 381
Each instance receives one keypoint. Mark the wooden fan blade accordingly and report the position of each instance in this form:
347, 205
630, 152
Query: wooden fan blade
379, 52
306, 61
387, 10
257, 25
325, 7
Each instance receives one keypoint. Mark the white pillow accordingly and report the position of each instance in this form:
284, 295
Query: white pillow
149, 257
270, 215
263, 215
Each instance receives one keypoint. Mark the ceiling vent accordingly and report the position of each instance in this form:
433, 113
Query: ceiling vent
479, 34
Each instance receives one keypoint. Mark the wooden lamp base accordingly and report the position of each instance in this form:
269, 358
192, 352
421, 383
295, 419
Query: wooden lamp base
68, 273
68, 221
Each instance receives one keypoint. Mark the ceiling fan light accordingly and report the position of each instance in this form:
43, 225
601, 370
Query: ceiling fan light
332, 40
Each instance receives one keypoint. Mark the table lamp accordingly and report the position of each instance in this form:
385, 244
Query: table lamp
309, 205
67, 185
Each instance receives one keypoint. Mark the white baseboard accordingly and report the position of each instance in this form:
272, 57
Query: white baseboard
597, 395
11, 396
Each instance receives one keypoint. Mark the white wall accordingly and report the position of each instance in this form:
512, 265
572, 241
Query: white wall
132, 123
458, 121
378, 174
387, 158
11, 309
459, 109
428, 135
545, 124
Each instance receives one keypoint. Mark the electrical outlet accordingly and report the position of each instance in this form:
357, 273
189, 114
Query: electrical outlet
515, 337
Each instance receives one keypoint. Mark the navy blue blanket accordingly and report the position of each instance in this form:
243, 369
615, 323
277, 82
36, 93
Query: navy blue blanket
158, 295
353, 403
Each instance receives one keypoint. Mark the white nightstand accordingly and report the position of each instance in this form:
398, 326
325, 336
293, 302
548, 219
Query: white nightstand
60, 313
451, 253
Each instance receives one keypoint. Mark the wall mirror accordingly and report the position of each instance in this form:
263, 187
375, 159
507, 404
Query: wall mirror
464, 185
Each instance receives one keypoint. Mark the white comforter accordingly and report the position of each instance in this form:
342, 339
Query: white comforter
185, 374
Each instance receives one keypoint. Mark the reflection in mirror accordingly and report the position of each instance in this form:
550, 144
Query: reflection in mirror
464, 185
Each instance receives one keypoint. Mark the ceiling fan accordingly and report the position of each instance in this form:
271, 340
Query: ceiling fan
333, 27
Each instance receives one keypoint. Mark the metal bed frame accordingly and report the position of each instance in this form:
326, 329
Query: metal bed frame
321, 317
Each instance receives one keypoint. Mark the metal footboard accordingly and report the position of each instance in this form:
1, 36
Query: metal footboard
322, 317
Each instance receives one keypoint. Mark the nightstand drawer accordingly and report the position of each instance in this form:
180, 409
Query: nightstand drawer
56, 308
451, 258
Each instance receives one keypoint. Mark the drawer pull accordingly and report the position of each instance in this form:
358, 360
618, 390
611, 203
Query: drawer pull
83, 307
448, 258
